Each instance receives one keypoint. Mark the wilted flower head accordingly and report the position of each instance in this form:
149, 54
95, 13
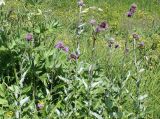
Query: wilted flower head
92, 21
141, 44
101, 27
136, 36
116, 46
132, 10
74, 56
29, 37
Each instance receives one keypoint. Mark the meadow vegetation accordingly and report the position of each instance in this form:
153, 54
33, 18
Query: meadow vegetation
74, 59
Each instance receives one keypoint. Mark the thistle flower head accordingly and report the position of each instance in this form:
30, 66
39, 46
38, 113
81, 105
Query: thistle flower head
103, 25
66, 49
80, 3
132, 10
40, 105
134, 6
60, 45
98, 29
129, 14
29, 37
74, 56
141, 44
136, 36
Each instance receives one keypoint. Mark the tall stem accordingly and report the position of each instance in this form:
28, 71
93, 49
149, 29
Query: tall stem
79, 28
137, 81
93, 47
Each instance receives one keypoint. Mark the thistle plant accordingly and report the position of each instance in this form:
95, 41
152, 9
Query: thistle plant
96, 30
137, 108
80, 26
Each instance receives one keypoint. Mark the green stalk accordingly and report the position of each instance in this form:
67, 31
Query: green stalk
137, 81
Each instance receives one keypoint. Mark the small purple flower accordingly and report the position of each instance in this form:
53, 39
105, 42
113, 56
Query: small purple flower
40, 106
98, 29
134, 6
129, 14
103, 25
92, 22
66, 49
29, 37
132, 10
59, 45
136, 36
141, 44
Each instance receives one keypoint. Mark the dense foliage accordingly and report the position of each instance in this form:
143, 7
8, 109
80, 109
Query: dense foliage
63, 59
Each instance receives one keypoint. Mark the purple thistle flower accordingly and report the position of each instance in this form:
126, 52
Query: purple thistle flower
134, 6
141, 44
98, 29
66, 49
132, 10
40, 106
103, 25
29, 37
59, 45
129, 14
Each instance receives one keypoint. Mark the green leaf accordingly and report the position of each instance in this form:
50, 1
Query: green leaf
96, 115
37, 30
3, 101
2, 112
2, 90
54, 109
26, 89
